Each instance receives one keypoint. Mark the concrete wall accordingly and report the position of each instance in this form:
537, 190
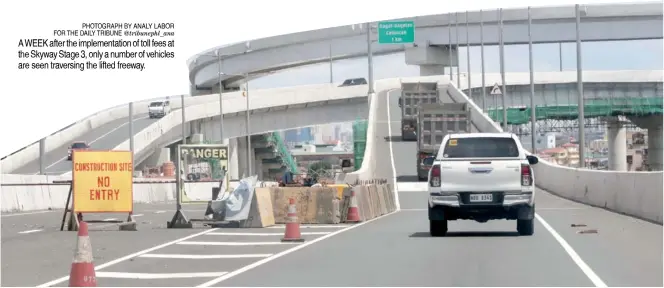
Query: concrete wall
54, 196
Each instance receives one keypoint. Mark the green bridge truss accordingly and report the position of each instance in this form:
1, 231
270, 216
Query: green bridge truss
592, 108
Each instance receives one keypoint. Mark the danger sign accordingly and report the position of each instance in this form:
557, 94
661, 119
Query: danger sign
103, 181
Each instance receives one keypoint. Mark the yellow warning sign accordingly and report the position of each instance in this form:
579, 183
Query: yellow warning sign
103, 181
453, 142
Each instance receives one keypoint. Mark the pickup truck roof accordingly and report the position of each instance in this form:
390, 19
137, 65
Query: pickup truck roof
481, 135
503, 146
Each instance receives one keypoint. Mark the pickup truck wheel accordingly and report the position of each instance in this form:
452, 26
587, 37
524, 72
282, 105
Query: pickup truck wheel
525, 227
437, 228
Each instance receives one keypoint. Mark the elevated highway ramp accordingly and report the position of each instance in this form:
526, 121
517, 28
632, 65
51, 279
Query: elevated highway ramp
104, 137
397, 250
393, 250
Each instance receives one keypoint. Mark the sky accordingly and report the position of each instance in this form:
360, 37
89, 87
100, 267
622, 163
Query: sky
37, 103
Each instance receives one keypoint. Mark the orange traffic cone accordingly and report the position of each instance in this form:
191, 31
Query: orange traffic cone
292, 233
353, 212
82, 270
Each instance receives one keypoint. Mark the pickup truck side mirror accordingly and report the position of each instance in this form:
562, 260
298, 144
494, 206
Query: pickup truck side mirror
532, 160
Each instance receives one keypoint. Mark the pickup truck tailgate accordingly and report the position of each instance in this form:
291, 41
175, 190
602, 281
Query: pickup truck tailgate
480, 175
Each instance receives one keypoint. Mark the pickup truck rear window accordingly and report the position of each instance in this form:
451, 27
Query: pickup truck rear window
156, 104
481, 147
79, 145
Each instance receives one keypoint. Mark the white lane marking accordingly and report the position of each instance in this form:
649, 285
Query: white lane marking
93, 141
190, 256
394, 169
261, 234
572, 254
157, 275
110, 219
160, 211
410, 187
29, 231
134, 255
286, 252
311, 226
137, 215
26, 213
211, 243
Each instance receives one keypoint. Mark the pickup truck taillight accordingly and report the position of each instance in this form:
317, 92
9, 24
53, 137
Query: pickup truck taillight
434, 180
526, 175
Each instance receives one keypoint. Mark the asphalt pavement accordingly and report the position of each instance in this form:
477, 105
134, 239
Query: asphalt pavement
392, 250
105, 137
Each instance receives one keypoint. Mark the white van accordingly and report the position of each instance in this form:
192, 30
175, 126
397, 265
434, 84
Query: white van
159, 109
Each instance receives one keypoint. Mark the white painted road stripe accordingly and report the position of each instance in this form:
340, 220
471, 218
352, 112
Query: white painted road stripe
110, 219
29, 231
212, 243
157, 275
572, 254
309, 226
160, 211
409, 187
262, 234
130, 256
286, 252
138, 215
189, 256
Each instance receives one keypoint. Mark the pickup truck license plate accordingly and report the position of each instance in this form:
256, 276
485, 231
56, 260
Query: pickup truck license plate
481, 197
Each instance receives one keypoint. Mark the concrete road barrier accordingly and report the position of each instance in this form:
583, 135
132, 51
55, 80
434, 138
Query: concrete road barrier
261, 213
22, 193
638, 194
315, 205
374, 200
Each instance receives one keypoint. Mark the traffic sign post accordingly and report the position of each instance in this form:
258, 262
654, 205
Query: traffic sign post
199, 163
495, 91
102, 182
396, 32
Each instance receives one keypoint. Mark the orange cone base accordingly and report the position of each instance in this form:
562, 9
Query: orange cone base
292, 239
82, 275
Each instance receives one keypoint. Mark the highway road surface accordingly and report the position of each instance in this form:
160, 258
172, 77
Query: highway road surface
392, 250
107, 136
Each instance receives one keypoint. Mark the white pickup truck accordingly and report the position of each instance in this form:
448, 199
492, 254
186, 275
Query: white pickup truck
481, 177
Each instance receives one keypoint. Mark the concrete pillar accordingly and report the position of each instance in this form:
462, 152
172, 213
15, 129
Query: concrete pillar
233, 159
242, 156
653, 124
432, 60
432, 70
655, 146
258, 167
617, 139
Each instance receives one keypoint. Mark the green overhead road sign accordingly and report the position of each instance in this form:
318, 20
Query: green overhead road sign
396, 32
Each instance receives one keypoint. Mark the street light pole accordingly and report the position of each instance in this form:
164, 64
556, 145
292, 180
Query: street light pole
221, 102
370, 59
249, 150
